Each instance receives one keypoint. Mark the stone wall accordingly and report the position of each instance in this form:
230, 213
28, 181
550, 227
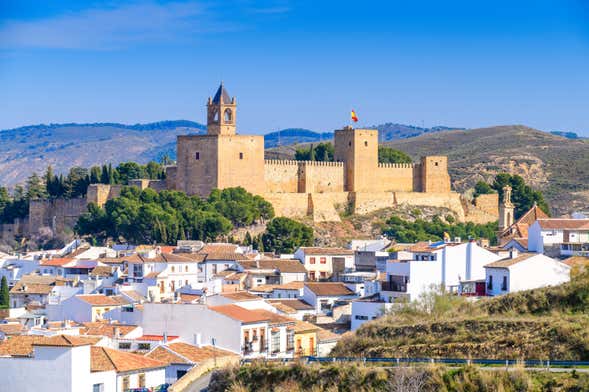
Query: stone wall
292, 205
101, 193
319, 177
241, 163
57, 214
197, 171
488, 203
405, 177
281, 176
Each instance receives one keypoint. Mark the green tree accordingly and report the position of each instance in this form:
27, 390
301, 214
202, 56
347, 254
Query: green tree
390, 155
130, 171
36, 189
321, 152
482, 188
522, 195
285, 235
4, 294
95, 174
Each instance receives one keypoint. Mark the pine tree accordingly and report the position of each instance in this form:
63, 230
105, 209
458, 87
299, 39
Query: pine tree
4, 295
247, 241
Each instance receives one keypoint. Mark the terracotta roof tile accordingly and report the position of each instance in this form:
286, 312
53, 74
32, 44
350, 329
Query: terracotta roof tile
295, 304
240, 296
564, 224
101, 300
106, 359
312, 250
247, 316
577, 260
106, 329
12, 328
187, 353
101, 270
303, 326
326, 289
59, 262
23, 345
505, 263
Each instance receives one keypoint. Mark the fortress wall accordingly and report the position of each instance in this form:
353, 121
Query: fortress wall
142, 183
171, 177
101, 193
289, 204
281, 176
365, 202
396, 177
324, 207
63, 213
449, 200
488, 203
241, 163
319, 177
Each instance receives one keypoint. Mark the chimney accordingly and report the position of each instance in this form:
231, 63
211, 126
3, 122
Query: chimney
165, 337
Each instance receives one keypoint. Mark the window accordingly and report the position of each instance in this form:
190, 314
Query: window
98, 388
125, 383
490, 283
436, 163
173, 268
185, 268
311, 260
197, 155
143, 346
241, 155
504, 284
290, 340
141, 380
124, 346
312, 275
323, 274
365, 143
180, 373
361, 317
323, 260
228, 115
275, 342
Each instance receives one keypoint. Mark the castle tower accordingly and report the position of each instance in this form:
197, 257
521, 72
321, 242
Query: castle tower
221, 158
434, 174
221, 112
358, 149
506, 209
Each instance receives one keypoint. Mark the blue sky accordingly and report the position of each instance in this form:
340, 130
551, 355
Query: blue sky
298, 63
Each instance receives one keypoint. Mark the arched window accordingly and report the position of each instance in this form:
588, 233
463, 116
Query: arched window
216, 115
228, 116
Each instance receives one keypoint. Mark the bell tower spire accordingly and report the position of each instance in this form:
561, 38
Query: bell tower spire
221, 110
506, 210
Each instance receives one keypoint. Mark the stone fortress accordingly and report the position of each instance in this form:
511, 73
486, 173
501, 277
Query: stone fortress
355, 182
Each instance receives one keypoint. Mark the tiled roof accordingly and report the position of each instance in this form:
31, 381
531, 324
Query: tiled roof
221, 96
247, 316
505, 263
282, 265
564, 224
520, 227
106, 329
12, 328
155, 338
239, 296
37, 284
65, 341
312, 250
105, 359
577, 260
101, 270
303, 326
23, 345
324, 335
101, 300
296, 304
59, 262
327, 289
111, 260
268, 288
163, 258
424, 247
189, 298
134, 295
186, 353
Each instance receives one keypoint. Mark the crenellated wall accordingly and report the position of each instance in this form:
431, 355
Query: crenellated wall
320, 177
281, 176
404, 177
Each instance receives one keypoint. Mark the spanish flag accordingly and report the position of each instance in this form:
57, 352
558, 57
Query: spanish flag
354, 117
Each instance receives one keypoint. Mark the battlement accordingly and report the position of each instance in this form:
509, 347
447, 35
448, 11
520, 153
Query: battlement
399, 165
280, 162
302, 163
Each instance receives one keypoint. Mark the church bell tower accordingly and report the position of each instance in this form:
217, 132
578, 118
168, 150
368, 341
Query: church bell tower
221, 110
506, 209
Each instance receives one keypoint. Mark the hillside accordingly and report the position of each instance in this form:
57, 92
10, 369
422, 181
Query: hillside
31, 149
537, 324
556, 165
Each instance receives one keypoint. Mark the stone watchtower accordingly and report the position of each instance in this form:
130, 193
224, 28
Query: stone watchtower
358, 150
221, 113
506, 209
221, 158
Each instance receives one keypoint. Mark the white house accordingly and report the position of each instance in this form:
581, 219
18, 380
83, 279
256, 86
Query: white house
40, 289
72, 364
523, 272
364, 310
323, 263
438, 264
84, 308
249, 332
182, 357
570, 235
324, 296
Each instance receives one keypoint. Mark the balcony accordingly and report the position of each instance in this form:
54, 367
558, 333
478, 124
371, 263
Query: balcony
574, 249
394, 286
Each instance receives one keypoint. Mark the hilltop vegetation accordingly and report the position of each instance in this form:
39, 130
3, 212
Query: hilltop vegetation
262, 377
547, 323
